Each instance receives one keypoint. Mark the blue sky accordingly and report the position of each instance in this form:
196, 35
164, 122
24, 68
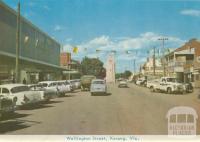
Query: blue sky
119, 25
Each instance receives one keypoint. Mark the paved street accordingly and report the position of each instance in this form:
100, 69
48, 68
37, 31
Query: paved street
133, 110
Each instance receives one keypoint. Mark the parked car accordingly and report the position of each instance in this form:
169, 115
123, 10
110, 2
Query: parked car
141, 81
98, 86
64, 87
7, 104
45, 94
152, 84
123, 83
168, 84
188, 87
50, 86
22, 92
76, 84
86, 81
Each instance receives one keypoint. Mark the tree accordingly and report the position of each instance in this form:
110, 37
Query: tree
125, 74
93, 66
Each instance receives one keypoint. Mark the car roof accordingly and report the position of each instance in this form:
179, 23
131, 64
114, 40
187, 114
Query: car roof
10, 86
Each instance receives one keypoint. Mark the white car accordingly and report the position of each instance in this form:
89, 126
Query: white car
98, 86
76, 84
45, 94
7, 105
140, 81
123, 83
21, 92
50, 86
169, 85
64, 87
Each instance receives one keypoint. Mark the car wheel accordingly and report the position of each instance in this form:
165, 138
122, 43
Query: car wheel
169, 90
152, 89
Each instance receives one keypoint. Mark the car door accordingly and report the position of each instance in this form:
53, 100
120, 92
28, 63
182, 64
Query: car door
163, 84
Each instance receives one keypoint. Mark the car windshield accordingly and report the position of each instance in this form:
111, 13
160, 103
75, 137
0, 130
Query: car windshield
98, 82
172, 80
19, 89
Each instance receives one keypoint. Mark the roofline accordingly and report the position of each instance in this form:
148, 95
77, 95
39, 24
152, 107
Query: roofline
31, 60
28, 21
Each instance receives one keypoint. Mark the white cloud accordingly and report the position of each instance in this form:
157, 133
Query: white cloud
191, 12
140, 44
58, 28
103, 40
46, 7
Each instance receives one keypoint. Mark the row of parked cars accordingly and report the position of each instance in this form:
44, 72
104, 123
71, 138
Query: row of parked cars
166, 84
14, 96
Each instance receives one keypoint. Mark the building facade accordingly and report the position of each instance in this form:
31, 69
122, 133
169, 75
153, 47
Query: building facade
72, 66
184, 62
39, 54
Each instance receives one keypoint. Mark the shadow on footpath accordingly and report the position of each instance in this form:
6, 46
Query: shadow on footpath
100, 94
14, 125
9, 116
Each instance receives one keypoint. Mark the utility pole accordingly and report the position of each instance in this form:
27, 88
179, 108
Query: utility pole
154, 61
17, 45
134, 65
163, 39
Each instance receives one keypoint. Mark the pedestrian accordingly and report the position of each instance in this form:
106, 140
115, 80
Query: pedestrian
24, 81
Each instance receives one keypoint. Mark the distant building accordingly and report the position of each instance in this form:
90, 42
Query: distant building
65, 59
148, 67
72, 66
110, 69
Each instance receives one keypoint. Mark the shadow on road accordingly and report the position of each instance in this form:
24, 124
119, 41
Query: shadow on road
34, 106
107, 94
52, 102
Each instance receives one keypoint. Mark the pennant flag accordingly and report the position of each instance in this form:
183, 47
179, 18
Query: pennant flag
26, 39
136, 52
113, 51
97, 50
75, 49
36, 42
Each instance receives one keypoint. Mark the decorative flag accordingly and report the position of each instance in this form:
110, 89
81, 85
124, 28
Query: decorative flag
97, 50
36, 42
136, 52
26, 39
75, 49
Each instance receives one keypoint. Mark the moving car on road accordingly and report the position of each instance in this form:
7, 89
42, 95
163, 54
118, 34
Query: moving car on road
123, 83
98, 86
22, 92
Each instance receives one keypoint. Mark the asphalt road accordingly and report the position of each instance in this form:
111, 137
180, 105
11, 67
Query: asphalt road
133, 110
